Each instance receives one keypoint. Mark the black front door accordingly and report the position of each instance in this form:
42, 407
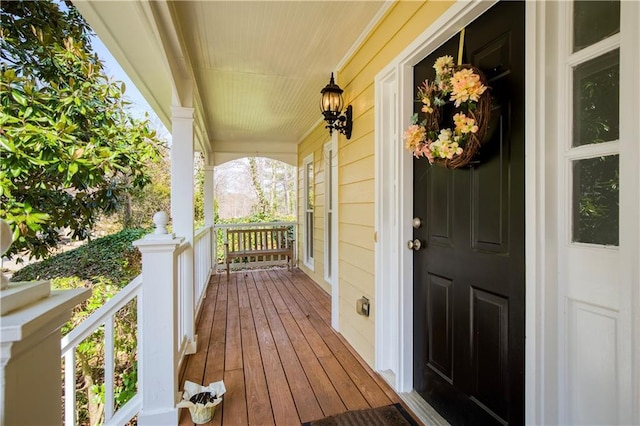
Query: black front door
469, 291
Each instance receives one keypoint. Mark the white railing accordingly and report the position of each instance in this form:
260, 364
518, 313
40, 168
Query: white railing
192, 266
182, 264
105, 315
220, 235
203, 262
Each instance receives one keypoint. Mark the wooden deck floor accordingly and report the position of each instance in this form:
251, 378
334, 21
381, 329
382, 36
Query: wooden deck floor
267, 334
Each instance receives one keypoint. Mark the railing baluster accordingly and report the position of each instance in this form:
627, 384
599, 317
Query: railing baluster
180, 294
202, 252
109, 367
70, 387
194, 288
103, 315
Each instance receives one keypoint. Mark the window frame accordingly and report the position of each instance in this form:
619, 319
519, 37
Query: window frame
307, 228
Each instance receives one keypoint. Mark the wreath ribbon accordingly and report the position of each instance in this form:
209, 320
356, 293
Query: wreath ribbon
461, 47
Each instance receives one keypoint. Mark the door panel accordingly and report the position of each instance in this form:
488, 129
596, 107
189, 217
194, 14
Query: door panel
440, 208
440, 317
469, 276
489, 349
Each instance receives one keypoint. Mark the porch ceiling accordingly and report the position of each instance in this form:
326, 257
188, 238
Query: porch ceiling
255, 68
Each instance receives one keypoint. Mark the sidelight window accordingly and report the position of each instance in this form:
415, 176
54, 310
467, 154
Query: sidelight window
594, 152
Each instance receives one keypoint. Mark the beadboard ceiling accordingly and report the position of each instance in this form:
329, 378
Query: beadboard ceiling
256, 67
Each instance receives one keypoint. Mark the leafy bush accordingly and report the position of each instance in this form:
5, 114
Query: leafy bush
105, 265
70, 149
111, 257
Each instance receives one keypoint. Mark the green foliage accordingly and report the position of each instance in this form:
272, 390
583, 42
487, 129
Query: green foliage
102, 289
127, 385
142, 203
70, 151
596, 181
111, 258
198, 201
105, 265
596, 200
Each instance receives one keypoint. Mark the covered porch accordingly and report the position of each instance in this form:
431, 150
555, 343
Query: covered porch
268, 335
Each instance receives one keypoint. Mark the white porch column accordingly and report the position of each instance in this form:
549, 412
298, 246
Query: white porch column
209, 213
30, 319
158, 319
182, 206
31, 384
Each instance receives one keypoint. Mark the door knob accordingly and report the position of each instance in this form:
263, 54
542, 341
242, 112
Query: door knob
417, 222
414, 245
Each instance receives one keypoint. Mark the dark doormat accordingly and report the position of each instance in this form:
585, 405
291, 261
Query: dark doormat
390, 415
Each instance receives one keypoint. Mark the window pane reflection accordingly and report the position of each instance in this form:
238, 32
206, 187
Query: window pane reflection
596, 200
596, 96
310, 186
594, 21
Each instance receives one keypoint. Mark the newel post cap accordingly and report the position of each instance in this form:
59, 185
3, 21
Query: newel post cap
160, 220
160, 236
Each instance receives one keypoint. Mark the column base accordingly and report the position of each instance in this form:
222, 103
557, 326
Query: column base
192, 346
158, 418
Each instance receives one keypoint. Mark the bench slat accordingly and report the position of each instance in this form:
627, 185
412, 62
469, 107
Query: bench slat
263, 242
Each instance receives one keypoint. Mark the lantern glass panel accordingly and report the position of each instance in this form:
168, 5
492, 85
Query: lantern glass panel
331, 101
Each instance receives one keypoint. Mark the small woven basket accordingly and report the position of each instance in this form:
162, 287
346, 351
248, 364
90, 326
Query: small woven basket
202, 412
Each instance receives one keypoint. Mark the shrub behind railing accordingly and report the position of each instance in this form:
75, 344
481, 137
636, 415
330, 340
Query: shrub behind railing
100, 353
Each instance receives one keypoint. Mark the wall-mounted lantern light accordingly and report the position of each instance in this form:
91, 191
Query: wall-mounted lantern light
331, 105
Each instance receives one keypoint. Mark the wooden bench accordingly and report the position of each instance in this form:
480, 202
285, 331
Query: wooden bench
254, 243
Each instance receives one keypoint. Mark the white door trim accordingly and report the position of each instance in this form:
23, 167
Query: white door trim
630, 195
387, 250
541, 404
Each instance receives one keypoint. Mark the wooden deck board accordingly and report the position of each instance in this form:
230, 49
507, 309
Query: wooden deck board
363, 379
268, 335
257, 393
235, 403
283, 407
233, 346
194, 370
305, 401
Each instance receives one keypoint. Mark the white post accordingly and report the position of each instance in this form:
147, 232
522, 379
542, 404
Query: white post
30, 379
30, 319
158, 323
209, 212
182, 207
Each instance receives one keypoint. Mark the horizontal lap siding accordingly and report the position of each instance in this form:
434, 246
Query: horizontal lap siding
403, 22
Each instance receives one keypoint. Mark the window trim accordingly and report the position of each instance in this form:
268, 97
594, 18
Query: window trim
331, 209
307, 255
569, 152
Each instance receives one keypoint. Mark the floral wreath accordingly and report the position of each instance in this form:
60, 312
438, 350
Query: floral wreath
465, 86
